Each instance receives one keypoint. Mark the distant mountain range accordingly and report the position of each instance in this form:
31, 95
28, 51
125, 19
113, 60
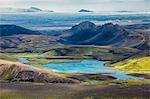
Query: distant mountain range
31, 9
84, 10
8, 30
87, 33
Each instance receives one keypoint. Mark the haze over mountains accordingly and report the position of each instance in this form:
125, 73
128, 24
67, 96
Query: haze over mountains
36, 9
31, 9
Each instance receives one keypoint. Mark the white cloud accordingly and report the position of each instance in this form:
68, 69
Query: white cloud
74, 5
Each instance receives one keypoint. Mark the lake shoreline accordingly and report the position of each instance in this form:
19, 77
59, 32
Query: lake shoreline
116, 75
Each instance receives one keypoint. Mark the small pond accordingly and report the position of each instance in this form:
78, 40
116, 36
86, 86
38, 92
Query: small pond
23, 60
89, 67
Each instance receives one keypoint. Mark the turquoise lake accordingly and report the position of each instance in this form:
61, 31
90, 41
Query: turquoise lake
89, 67
86, 67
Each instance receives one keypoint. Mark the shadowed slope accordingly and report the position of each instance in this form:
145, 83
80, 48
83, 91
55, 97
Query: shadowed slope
88, 33
8, 30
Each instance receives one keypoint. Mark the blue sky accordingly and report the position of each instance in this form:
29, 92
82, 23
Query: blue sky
75, 5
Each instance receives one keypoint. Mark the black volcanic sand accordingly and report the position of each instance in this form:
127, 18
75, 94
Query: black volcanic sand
85, 77
72, 91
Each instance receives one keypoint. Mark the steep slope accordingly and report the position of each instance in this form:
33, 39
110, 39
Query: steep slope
8, 30
108, 34
138, 63
14, 71
81, 32
88, 33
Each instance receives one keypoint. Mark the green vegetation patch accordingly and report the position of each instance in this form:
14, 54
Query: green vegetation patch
7, 57
118, 82
141, 64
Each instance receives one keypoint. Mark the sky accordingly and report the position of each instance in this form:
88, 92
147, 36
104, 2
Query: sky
75, 5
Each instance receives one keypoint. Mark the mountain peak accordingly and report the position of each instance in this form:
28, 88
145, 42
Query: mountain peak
88, 33
84, 10
35, 8
109, 24
86, 25
111, 27
78, 32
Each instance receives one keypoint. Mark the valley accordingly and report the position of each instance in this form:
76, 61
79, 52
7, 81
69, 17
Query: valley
29, 58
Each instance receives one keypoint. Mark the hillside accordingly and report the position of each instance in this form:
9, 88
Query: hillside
87, 33
81, 32
14, 71
137, 63
8, 30
26, 42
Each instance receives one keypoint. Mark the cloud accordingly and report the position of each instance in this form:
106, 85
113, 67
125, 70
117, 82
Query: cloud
73, 5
